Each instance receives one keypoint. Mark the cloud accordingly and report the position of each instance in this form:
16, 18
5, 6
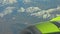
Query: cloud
10, 1
29, 9
36, 11
32, 9
21, 9
58, 8
26, 1
1, 14
6, 11
4, 2
32, 1
46, 13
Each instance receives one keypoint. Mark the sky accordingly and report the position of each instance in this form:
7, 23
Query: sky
15, 15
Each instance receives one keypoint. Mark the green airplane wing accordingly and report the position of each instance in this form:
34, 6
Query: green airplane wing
49, 26
56, 19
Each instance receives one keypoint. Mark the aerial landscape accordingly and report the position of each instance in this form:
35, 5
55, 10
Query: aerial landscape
15, 15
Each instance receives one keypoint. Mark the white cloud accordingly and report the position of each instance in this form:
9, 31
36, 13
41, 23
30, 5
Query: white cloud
58, 8
36, 11
1, 14
29, 9
32, 9
5, 2
26, 1
8, 1
46, 13
21, 9
6, 11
